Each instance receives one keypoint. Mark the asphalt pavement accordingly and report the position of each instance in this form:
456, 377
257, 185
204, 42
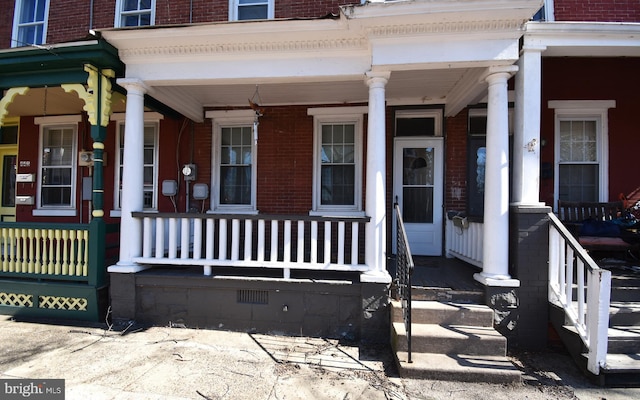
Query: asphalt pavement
173, 362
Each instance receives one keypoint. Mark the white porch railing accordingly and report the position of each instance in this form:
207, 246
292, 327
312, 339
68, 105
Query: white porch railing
260, 241
464, 240
583, 289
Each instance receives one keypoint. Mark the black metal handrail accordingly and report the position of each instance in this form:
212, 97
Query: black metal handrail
404, 269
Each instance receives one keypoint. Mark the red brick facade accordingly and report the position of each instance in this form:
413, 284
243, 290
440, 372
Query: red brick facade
597, 10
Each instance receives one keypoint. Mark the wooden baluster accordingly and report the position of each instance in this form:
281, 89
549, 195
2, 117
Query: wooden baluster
39, 269
287, 242
300, 255
340, 243
197, 238
85, 259
58, 236
65, 251
5, 250
159, 237
45, 251
12, 251
248, 239
146, 238
173, 238
274, 240
22, 251
73, 251
314, 242
30, 236
235, 239
222, 236
261, 238
327, 243
185, 234
211, 230
355, 245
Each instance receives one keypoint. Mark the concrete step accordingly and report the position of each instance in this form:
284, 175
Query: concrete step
624, 313
459, 367
449, 339
447, 295
624, 340
449, 313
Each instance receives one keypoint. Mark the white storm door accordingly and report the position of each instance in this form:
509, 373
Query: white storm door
418, 186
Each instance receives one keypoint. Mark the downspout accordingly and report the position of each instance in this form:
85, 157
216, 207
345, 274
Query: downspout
91, 15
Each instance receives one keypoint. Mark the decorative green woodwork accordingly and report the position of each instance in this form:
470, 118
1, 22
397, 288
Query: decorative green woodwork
53, 270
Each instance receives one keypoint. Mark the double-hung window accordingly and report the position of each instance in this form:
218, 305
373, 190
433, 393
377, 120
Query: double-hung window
234, 161
149, 159
135, 13
30, 22
240, 10
57, 177
581, 149
337, 173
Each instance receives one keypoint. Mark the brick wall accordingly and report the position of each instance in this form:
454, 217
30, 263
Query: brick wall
70, 20
456, 162
597, 10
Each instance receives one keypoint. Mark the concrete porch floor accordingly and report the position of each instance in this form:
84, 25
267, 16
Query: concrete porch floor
441, 272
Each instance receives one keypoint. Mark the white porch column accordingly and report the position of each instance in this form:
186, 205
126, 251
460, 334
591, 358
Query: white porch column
132, 178
495, 263
526, 140
375, 207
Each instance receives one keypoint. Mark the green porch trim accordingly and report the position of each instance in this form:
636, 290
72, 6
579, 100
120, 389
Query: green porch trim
56, 64
53, 300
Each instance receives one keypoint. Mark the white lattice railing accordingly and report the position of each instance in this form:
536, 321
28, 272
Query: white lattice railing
583, 289
262, 241
464, 240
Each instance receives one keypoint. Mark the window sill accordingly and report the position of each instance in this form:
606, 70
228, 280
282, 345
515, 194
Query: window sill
335, 213
54, 213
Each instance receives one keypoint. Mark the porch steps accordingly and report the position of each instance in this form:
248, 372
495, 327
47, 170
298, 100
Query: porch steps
622, 367
451, 341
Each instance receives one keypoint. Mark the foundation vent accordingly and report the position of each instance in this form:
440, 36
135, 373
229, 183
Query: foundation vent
248, 296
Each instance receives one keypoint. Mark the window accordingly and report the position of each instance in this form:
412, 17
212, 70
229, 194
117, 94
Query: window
581, 150
545, 13
30, 22
240, 10
57, 183
234, 148
338, 168
476, 159
135, 13
150, 160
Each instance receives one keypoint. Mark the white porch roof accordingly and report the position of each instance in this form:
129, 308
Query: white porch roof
437, 53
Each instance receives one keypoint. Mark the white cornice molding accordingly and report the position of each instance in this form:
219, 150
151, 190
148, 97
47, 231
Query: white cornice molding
289, 46
444, 28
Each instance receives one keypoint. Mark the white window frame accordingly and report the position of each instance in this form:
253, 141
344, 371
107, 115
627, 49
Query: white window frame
584, 110
119, 14
58, 122
337, 115
226, 119
150, 119
234, 4
15, 42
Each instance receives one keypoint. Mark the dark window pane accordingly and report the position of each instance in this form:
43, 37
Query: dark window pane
578, 182
235, 185
9, 181
56, 196
417, 204
9, 134
252, 12
337, 185
415, 127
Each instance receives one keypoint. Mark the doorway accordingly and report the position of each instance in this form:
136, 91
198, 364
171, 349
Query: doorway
8, 158
418, 188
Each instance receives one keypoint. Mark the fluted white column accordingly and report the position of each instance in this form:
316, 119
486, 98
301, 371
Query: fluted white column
495, 263
526, 140
132, 178
375, 207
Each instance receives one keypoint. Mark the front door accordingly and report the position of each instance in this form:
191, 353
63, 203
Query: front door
8, 157
418, 187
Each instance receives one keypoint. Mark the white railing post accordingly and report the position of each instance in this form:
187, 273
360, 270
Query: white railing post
598, 323
184, 238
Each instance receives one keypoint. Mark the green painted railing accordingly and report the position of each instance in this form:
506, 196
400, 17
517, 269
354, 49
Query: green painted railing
55, 270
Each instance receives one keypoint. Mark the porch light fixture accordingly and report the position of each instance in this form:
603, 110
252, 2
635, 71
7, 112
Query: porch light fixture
254, 103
